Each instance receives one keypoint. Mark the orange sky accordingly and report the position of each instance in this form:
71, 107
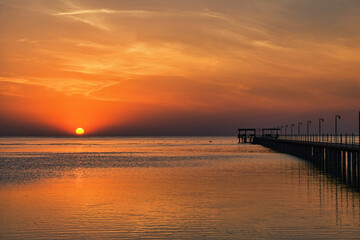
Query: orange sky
175, 67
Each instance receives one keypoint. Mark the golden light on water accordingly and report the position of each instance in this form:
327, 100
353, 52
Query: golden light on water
79, 131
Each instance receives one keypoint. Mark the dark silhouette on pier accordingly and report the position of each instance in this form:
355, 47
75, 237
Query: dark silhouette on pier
337, 155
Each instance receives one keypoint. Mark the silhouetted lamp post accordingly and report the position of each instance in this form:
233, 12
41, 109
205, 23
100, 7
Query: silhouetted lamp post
308, 127
286, 126
336, 118
299, 124
320, 121
292, 127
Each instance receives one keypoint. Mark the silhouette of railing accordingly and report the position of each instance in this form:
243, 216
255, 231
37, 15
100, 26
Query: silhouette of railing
346, 140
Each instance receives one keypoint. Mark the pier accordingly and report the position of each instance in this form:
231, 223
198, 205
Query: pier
336, 155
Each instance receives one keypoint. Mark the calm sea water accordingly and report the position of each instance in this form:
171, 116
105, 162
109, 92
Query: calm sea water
177, 188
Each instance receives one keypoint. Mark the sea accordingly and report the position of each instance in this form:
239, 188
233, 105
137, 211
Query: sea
167, 188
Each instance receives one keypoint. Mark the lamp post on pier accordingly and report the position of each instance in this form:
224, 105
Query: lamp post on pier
292, 127
299, 124
336, 118
286, 126
320, 121
308, 127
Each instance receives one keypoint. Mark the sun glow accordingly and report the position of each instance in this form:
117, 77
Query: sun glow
79, 131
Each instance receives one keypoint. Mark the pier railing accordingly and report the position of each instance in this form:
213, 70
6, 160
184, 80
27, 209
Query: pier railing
346, 140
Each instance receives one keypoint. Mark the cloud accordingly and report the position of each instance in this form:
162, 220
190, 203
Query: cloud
205, 56
85, 12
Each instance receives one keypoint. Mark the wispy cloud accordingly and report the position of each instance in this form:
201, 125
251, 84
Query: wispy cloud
146, 13
84, 46
69, 86
85, 12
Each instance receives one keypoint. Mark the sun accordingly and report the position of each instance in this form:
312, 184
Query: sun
79, 131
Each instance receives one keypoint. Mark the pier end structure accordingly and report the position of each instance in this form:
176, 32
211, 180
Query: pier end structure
246, 135
270, 132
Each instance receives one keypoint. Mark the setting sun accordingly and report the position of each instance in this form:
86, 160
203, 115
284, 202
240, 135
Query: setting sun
79, 131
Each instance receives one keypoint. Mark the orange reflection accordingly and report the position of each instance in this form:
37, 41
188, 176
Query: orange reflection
134, 200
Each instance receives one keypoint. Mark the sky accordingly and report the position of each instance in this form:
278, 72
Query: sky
160, 67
